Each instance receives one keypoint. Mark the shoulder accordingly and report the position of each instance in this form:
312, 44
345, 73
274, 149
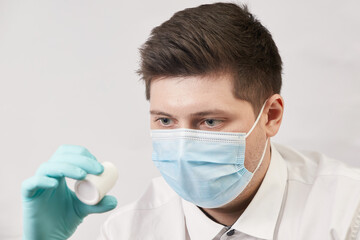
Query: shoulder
321, 190
152, 210
310, 166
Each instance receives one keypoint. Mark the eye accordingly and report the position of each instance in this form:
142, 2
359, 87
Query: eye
212, 122
165, 121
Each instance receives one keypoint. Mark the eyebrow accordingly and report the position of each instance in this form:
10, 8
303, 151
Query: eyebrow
197, 114
154, 112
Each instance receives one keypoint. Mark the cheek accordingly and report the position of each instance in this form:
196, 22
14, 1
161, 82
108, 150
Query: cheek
255, 144
235, 125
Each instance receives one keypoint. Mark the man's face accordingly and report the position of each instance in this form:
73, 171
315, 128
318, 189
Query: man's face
205, 103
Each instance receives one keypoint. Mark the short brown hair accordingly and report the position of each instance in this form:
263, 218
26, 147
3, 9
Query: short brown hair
211, 39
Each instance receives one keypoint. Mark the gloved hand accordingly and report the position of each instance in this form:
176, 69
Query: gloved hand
50, 209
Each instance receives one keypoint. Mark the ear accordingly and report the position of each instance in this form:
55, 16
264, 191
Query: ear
274, 110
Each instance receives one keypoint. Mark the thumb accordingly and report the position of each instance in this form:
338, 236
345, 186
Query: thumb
106, 204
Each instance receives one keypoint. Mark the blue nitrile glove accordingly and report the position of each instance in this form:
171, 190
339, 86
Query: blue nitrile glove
50, 209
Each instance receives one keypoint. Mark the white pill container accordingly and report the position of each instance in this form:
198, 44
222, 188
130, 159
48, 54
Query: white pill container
94, 187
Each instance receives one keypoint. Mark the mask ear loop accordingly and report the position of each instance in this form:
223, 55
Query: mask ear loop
267, 139
262, 156
257, 120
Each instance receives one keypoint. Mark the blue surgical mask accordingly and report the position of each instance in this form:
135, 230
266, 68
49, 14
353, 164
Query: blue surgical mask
203, 167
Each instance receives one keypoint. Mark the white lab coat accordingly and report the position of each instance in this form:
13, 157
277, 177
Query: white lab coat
304, 196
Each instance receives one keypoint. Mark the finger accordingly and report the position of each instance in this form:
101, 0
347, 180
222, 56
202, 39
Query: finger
30, 186
106, 204
89, 165
75, 149
59, 170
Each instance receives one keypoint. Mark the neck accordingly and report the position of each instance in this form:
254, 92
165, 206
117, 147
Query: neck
226, 216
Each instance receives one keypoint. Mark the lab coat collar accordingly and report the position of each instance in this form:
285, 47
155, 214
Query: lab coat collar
259, 218
199, 226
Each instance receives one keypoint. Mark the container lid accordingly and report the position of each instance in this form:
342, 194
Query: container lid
87, 192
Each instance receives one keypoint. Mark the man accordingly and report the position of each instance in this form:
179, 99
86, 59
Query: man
213, 79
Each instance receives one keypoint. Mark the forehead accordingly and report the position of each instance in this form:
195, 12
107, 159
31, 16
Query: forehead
194, 93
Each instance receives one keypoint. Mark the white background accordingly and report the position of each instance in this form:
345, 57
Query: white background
67, 75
